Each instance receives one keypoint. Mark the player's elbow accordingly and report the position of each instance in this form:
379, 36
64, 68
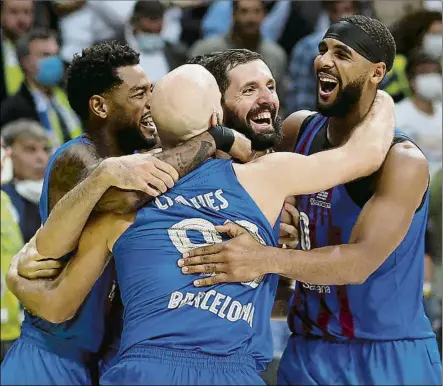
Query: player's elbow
55, 312
363, 269
56, 317
11, 280
357, 278
121, 202
356, 270
54, 308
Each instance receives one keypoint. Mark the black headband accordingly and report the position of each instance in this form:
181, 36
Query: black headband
356, 38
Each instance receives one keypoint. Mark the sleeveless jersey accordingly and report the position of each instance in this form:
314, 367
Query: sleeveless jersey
389, 305
161, 305
85, 331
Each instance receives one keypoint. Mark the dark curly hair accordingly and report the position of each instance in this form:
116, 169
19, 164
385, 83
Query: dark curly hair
408, 32
95, 72
379, 33
220, 63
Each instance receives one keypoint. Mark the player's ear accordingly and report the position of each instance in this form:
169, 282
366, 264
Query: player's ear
98, 106
378, 74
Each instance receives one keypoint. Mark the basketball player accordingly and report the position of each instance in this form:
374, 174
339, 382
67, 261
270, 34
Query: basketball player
357, 312
110, 91
162, 307
230, 71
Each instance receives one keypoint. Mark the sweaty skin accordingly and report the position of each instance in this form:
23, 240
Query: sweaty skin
280, 175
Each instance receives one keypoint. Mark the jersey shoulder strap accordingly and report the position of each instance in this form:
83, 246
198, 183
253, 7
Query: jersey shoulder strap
310, 129
303, 127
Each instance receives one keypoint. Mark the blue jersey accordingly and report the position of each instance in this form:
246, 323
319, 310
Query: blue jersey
85, 331
389, 305
162, 306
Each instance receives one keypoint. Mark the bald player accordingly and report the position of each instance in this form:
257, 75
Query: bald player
162, 307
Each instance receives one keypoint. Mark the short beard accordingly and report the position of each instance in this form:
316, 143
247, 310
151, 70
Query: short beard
130, 140
259, 141
346, 99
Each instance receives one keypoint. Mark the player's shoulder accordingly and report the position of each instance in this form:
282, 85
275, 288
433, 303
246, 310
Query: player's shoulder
408, 154
77, 151
405, 162
291, 129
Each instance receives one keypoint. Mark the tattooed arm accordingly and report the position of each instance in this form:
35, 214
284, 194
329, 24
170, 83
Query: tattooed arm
118, 184
184, 159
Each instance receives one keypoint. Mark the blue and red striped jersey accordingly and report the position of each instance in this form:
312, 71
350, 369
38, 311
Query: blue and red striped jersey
389, 305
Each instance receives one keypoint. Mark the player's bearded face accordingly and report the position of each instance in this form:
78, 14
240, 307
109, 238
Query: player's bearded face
133, 135
262, 125
334, 99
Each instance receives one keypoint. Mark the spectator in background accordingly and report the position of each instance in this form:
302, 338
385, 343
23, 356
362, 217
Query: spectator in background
420, 30
218, 21
74, 24
302, 92
247, 16
17, 18
143, 34
11, 242
191, 20
420, 115
39, 97
85, 22
30, 152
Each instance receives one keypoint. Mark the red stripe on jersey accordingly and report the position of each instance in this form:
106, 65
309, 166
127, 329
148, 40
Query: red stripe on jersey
309, 136
346, 319
324, 315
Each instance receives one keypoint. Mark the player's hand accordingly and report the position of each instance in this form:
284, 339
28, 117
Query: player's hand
32, 265
372, 138
241, 149
141, 172
241, 259
289, 226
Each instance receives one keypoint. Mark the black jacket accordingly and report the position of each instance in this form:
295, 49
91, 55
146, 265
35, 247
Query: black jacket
18, 106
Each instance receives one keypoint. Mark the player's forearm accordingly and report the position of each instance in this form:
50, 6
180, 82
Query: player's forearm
191, 154
30, 293
69, 216
71, 287
332, 265
184, 158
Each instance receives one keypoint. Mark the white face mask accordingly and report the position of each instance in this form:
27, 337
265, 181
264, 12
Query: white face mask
429, 87
30, 190
149, 42
432, 45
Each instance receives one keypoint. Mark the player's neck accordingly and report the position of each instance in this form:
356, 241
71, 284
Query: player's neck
106, 144
340, 129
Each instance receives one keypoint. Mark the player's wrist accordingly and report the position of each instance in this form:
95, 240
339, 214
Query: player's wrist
224, 138
102, 176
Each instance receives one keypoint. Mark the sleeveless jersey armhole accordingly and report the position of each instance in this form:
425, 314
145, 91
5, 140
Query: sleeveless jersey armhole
362, 189
303, 128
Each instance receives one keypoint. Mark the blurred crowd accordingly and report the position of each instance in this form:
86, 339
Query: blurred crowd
39, 39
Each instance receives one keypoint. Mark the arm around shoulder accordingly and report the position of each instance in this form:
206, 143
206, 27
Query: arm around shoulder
64, 295
380, 228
